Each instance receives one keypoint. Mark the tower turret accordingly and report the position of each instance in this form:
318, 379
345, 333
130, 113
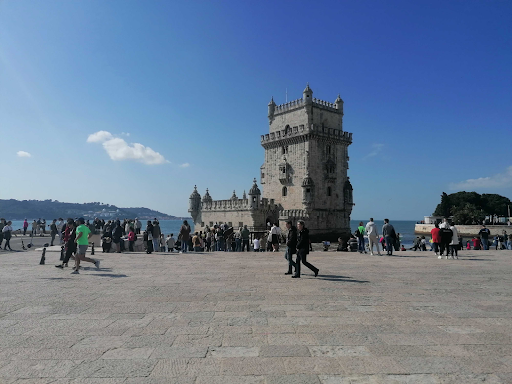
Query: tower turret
271, 109
339, 104
254, 195
307, 95
194, 206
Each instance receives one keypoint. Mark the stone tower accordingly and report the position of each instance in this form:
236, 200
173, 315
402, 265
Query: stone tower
306, 163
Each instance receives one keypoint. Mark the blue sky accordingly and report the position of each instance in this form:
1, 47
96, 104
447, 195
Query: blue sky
426, 84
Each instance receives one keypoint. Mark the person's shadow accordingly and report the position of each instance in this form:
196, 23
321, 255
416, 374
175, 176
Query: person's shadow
340, 278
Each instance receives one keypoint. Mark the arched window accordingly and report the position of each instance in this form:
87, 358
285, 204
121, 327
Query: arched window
329, 191
285, 191
287, 130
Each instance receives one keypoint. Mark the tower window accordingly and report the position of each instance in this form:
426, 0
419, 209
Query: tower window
329, 191
285, 191
284, 150
328, 150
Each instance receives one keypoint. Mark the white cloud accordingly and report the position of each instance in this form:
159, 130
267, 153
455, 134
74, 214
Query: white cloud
23, 154
185, 165
376, 148
99, 137
118, 149
499, 180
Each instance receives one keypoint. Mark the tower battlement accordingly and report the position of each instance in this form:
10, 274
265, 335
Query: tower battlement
299, 103
294, 132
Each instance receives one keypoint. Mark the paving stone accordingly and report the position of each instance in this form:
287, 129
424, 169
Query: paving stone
186, 367
128, 353
284, 351
179, 352
336, 351
293, 379
157, 324
234, 351
114, 368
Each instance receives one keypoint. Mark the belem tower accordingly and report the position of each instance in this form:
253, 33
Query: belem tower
304, 175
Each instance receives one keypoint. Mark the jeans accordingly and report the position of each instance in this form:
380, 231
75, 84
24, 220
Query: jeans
130, 245
301, 257
289, 257
485, 243
220, 244
156, 244
238, 247
245, 243
389, 244
184, 246
360, 244
53, 238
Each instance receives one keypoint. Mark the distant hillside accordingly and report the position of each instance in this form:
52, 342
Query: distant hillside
51, 209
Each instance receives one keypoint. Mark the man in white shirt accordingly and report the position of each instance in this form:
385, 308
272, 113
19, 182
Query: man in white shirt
256, 244
373, 236
275, 233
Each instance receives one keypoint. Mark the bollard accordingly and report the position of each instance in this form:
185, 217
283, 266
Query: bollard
92, 250
62, 253
43, 257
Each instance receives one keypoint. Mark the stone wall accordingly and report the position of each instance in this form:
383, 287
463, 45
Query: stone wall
464, 230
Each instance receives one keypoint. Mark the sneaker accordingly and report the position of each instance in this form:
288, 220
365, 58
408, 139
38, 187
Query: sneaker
439, 257
97, 264
371, 254
59, 266
75, 272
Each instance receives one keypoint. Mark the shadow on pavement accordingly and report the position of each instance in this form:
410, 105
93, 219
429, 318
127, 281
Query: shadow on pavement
347, 279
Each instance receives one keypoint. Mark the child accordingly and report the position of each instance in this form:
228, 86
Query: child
423, 243
468, 245
402, 248
170, 242
256, 244
162, 243
131, 239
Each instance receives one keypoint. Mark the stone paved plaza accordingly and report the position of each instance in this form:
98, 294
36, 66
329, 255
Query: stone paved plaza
236, 318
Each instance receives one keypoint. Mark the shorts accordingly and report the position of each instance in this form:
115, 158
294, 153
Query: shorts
82, 249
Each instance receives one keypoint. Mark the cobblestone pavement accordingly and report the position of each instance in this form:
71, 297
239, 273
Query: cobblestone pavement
236, 318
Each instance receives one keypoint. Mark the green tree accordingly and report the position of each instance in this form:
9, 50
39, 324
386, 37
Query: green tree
494, 204
468, 214
443, 208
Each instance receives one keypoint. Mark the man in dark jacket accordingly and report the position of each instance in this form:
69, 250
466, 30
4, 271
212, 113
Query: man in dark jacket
303, 250
291, 246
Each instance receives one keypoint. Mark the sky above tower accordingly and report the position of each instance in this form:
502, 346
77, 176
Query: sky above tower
132, 103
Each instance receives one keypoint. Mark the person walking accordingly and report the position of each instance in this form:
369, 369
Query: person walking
185, 236
245, 238
156, 236
454, 244
131, 238
25, 226
238, 240
360, 237
7, 232
388, 231
436, 239
138, 226
446, 239
303, 250
484, 234
83, 233
69, 241
275, 232
53, 231
373, 236
34, 228
2, 225
117, 234
291, 246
